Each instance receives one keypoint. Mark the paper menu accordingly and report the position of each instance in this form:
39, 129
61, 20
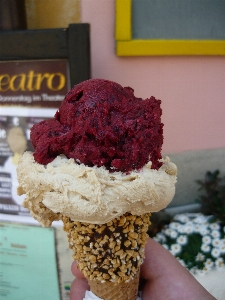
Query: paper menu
28, 265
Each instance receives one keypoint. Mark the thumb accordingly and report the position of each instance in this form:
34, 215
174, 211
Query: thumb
166, 278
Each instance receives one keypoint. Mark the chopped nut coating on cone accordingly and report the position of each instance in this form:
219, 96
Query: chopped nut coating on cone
110, 252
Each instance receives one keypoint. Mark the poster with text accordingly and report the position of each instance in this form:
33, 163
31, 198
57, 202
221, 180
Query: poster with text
30, 91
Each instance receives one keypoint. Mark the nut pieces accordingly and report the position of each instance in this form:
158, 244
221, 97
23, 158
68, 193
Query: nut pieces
109, 252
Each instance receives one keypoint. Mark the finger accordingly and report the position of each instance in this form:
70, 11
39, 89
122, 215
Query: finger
78, 288
75, 271
158, 261
166, 278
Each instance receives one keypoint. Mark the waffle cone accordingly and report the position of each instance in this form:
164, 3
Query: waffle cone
110, 255
111, 291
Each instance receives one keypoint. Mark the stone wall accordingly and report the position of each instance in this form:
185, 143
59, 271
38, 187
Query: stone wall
192, 165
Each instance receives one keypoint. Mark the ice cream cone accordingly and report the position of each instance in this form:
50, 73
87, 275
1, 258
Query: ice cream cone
111, 291
109, 255
97, 166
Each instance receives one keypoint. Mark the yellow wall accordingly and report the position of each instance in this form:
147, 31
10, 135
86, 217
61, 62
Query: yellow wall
52, 13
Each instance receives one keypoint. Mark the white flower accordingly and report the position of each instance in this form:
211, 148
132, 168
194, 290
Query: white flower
173, 234
181, 229
168, 231
188, 229
209, 263
206, 239
189, 223
161, 237
214, 226
200, 257
206, 224
174, 225
165, 246
205, 248
215, 252
204, 231
204, 271
199, 220
222, 242
220, 266
182, 240
175, 249
194, 270
219, 263
155, 238
183, 218
197, 228
181, 261
216, 242
215, 234
222, 248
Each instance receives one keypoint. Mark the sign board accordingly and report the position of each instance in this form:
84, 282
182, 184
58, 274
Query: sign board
37, 69
37, 83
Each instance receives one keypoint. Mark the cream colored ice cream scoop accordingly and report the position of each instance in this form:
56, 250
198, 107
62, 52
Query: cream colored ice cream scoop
92, 194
